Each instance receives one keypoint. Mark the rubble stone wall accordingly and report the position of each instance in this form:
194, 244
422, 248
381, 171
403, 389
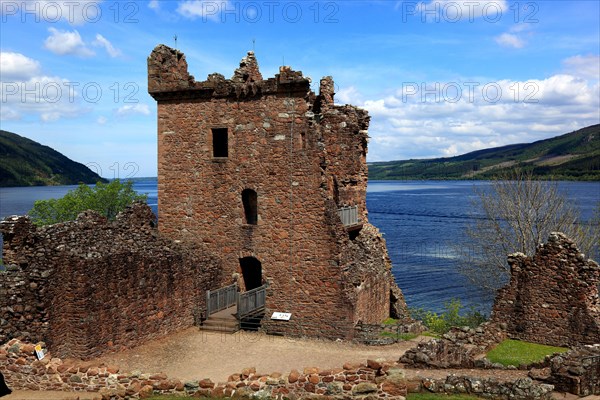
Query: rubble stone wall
577, 371
552, 297
304, 157
89, 286
458, 348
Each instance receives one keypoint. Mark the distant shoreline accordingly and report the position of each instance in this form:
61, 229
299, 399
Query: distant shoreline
408, 179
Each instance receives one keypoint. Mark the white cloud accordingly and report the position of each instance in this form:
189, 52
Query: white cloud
74, 12
154, 4
65, 42
16, 66
193, 9
510, 40
131, 109
101, 41
515, 37
348, 95
584, 66
25, 91
414, 124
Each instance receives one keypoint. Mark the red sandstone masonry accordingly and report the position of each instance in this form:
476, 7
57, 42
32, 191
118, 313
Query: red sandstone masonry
304, 157
90, 286
552, 297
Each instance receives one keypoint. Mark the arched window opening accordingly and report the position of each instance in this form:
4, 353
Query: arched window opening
250, 202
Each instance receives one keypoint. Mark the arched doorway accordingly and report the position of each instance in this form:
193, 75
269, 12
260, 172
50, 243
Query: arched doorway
251, 272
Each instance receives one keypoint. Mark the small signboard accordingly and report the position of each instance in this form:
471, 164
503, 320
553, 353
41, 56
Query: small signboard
39, 353
281, 316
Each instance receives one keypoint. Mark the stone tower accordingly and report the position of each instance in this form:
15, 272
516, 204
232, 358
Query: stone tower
273, 178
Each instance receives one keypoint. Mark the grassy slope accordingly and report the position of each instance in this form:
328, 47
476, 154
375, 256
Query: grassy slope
573, 156
24, 162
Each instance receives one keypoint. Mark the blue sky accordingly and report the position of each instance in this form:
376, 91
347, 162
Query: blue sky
438, 77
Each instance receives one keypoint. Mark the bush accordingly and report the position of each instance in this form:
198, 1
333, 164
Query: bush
108, 199
452, 316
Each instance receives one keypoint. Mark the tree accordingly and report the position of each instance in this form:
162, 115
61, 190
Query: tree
107, 199
517, 214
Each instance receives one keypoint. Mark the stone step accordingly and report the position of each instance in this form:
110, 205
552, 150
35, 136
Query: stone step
221, 325
219, 328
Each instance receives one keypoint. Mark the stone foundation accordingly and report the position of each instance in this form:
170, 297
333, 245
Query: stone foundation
459, 348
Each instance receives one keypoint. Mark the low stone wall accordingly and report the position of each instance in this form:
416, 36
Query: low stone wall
370, 380
577, 371
382, 334
459, 348
522, 388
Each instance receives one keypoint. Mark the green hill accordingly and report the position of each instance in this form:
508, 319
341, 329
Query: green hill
573, 156
24, 162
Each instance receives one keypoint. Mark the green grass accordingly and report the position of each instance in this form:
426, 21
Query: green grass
440, 396
516, 352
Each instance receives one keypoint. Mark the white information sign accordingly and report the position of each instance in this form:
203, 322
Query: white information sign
282, 316
39, 352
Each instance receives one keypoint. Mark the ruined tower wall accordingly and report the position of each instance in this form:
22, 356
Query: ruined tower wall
88, 286
304, 158
552, 297
291, 238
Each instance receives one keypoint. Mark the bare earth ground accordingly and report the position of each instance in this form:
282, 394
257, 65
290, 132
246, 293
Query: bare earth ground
193, 354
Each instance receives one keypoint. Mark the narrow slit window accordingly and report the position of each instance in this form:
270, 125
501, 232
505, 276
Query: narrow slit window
250, 202
220, 142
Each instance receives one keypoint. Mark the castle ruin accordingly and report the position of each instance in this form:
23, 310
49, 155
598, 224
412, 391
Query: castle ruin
272, 178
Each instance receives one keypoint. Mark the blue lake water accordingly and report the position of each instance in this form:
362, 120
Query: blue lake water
422, 222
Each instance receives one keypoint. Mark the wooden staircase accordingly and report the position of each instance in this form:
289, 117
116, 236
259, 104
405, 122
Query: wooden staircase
223, 321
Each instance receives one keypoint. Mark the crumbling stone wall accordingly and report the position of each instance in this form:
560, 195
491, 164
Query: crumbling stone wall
304, 157
577, 371
462, 347
552, 297
89, 286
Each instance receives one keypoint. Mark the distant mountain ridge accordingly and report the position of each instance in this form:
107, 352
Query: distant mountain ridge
24, 162
572, 156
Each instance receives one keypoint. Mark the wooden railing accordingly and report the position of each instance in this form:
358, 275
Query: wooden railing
220, 299
348, 215
251, 301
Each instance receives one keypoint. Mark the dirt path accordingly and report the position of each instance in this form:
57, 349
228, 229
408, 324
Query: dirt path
193, 354
35, 395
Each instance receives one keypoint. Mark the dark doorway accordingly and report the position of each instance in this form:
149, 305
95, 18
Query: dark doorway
4, 390
252, 272
250, 202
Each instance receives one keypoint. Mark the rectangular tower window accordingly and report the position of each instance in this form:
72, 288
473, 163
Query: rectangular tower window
220, 142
